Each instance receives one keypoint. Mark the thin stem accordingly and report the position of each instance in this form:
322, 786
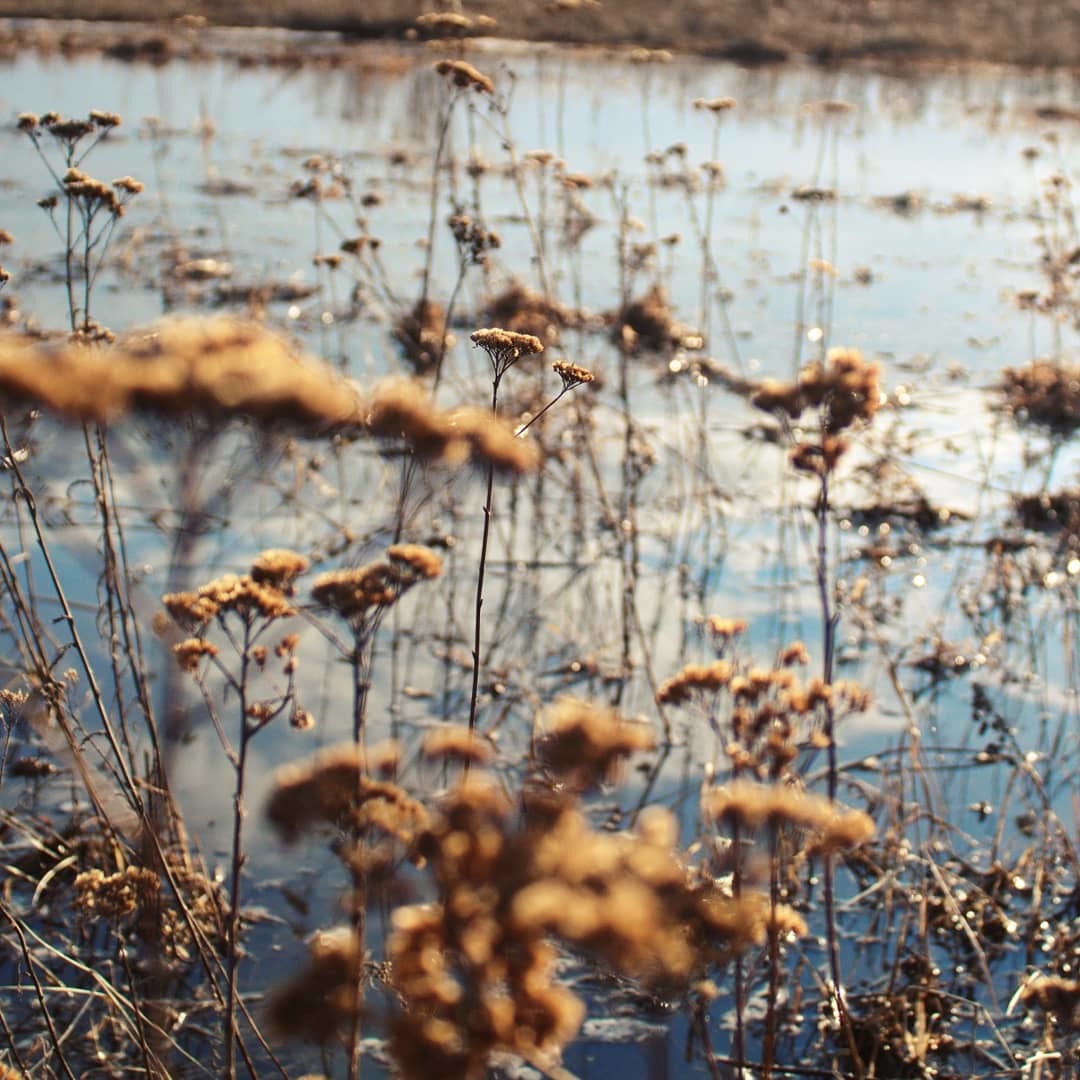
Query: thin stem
474, 695
828, 634
233, 929
429, 256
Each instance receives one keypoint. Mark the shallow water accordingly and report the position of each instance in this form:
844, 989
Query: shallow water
926, 287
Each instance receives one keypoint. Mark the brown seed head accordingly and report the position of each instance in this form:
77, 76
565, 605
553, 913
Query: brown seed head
463, 74
278, 567
571, 374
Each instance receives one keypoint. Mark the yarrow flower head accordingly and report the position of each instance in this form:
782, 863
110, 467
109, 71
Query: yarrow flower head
505, 347
571, 374
463, 74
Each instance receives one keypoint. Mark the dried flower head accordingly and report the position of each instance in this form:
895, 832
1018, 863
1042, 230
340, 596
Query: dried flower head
1054, 994
584, 743
238, 593
320, 1002
423, 336
695, 679
335, 785
104, 120
355, 592
491, 442
571, 374
753, 806
278, 567
414, 562
190, 652
461, 73
715, 105
455, 742
795, 653
505, 347
724, 628
219, 367
190, 609
1045, 393
402, 409
112, 896
128, 185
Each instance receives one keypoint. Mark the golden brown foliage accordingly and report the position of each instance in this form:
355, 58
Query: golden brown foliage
584, 743
455, 742
334, 784
110, 896
219, 367
1045, 393
354, 592
326, 996
239, 593
752, 806
279, 568
403, 409
462, 73
846, 389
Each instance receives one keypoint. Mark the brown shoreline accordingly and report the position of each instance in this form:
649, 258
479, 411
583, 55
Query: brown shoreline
748, 31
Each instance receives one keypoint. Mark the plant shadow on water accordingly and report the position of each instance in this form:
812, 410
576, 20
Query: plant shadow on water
644, 642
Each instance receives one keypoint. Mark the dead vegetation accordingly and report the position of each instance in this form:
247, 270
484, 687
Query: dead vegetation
602, 785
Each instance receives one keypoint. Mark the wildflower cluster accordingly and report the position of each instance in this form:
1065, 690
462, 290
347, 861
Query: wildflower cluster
112, 896
572, 375
581, 742
1045, 393
94, 195
454, 24
476, 971
340, 787
68, 131
403, 410
463, 75
505, 347
239, 593
845, 390
769, 711
749, 806
473, 240
357, 592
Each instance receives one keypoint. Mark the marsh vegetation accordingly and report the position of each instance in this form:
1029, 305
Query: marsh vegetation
517, 563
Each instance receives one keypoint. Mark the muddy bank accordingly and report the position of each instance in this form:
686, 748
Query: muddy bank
746, 30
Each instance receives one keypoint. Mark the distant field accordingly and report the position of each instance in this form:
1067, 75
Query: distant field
995, 30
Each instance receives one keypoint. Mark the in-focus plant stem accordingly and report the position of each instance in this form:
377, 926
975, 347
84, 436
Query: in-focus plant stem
488, 499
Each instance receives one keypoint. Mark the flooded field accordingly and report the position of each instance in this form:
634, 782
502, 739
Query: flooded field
768, 765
